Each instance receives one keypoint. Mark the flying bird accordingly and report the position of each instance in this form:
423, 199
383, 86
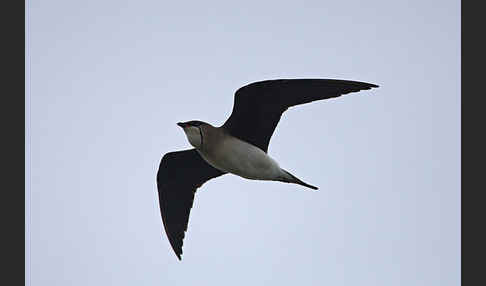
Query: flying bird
238, 147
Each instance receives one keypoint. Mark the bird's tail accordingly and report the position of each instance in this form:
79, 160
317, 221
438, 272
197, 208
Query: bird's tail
289, 178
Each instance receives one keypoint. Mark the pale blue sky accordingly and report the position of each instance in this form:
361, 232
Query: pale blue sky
109, 80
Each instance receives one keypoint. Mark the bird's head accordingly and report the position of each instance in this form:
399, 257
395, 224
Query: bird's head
194, 131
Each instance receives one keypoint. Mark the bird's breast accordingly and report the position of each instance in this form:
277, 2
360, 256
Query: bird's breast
235, 156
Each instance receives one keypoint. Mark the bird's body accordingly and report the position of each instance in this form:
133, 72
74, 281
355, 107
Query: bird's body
238, 147
232, 155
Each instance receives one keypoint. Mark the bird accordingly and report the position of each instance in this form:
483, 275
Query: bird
238, 147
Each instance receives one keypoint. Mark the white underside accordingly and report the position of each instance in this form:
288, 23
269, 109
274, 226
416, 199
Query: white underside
240, 158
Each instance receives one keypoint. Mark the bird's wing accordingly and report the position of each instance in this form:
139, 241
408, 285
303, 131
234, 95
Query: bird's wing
180, 174
258, 106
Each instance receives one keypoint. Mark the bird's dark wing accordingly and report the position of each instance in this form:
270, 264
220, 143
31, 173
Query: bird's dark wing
180, 174
258, 106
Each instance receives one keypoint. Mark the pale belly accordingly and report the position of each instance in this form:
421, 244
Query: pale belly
240, 158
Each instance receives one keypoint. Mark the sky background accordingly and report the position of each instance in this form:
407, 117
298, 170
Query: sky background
110, 79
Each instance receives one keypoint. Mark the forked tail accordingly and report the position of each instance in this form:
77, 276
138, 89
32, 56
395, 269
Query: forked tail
293, 179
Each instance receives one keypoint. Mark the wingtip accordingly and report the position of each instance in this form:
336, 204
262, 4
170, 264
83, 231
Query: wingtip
310, 186
370, 86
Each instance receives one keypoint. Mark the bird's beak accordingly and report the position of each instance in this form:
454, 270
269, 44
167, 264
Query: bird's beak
181, 124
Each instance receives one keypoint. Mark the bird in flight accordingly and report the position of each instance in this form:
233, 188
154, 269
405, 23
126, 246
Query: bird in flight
239, 146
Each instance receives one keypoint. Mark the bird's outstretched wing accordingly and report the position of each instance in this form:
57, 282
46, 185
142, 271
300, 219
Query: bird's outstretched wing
258, 106
180, 174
